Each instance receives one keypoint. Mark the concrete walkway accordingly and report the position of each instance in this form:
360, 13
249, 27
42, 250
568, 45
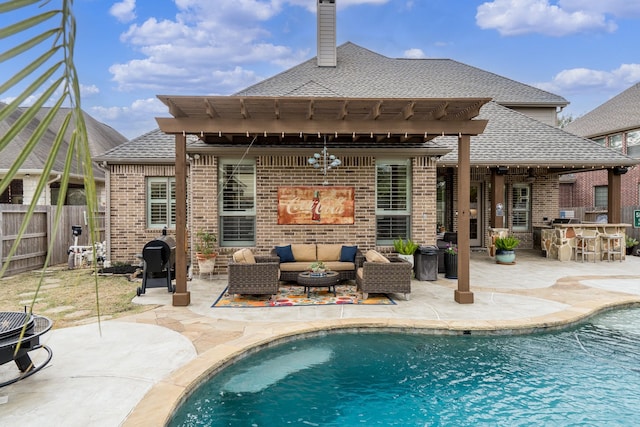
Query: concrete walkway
135, 371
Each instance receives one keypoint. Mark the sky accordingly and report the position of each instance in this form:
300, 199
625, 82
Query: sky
130, 51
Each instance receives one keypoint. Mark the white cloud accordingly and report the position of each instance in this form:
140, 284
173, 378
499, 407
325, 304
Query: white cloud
88, 90
577, 79
206, 39
124, 11
133, 120
414, 53
517, 17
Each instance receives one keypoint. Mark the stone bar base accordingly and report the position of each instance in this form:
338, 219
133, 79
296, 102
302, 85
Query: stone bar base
559, 242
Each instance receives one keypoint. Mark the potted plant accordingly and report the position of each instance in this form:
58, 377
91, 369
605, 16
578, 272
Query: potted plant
205, 251
405, 249
505, 249
630, 243
451, 261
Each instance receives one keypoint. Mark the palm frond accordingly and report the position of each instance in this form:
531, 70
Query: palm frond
50, 78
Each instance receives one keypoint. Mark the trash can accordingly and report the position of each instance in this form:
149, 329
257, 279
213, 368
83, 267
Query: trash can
426, 263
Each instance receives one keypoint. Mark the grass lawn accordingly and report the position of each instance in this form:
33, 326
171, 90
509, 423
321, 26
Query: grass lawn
68, 297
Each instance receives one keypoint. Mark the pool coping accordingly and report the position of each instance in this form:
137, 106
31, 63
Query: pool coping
160, 402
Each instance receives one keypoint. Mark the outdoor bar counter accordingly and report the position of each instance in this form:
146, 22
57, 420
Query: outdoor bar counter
559, 241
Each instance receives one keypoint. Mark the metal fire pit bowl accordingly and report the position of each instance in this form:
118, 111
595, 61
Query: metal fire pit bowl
15, 346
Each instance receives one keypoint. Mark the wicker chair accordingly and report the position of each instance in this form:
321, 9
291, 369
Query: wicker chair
261, 278
385, 278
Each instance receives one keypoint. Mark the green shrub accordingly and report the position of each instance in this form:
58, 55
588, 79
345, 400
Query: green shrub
508, 243
405, 247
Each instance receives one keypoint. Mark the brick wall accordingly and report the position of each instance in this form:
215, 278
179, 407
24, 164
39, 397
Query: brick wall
127, 206
583, 193
126, 211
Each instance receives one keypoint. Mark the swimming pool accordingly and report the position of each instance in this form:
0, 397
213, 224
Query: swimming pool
588, 375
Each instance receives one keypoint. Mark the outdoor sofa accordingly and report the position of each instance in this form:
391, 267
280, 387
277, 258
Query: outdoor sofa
296, 258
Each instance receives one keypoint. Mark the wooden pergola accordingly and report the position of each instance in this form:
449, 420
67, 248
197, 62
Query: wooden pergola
233, 119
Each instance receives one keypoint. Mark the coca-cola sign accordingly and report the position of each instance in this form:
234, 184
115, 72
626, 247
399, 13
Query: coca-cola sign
315, 205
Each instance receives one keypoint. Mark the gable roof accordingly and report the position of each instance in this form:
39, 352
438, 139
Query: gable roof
510, 138
620, 113
361, 73
101, 138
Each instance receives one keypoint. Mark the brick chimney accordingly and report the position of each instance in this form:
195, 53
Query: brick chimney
327, 33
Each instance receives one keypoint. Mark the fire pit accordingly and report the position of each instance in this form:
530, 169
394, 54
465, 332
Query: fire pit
14, 347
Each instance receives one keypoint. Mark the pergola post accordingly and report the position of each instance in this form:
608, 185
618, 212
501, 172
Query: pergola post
497, 196
614, 194
181, 296
463, 295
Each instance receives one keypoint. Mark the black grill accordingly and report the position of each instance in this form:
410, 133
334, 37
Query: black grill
159, 256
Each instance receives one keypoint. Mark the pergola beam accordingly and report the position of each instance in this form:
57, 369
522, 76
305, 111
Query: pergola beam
377, 127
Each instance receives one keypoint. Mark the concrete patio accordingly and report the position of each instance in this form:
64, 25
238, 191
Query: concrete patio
135, 370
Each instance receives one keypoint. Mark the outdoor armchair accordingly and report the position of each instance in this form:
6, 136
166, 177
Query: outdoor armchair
385, 277
261, 277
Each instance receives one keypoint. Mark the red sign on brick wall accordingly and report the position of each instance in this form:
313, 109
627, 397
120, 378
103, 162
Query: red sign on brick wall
315, 205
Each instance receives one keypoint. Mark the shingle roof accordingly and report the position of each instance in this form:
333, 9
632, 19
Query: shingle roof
101, 138
513, 139
620, 113
361, 73
152, 147
510, 138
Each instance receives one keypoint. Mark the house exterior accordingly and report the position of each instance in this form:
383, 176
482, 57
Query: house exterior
21, 190
616, 125
424, 144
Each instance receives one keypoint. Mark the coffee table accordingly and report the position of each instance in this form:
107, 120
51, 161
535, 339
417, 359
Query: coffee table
309, 280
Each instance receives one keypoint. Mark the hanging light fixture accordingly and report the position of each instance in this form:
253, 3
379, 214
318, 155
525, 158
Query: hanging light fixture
325, 161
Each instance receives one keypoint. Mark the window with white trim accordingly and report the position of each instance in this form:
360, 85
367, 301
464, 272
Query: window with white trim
393, 200
521, 207
237, 202
161, 202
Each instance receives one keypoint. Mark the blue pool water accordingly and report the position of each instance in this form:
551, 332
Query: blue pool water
585, 376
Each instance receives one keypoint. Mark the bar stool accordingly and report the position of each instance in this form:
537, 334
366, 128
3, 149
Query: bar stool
585, 245
609, 248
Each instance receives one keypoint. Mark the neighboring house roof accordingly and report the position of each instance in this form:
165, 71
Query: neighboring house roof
510, 139
618, 114
101, 139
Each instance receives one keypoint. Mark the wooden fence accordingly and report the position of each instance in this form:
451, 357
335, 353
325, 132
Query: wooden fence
36, 240
626, 215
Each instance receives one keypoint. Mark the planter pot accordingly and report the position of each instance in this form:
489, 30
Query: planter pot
450, 266
407, 258
505, 257
206, 263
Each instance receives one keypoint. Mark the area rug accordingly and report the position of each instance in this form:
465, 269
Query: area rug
291, 295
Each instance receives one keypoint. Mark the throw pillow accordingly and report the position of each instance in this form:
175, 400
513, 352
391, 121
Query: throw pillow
244, 256
375, 256
348, 253
285, 254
